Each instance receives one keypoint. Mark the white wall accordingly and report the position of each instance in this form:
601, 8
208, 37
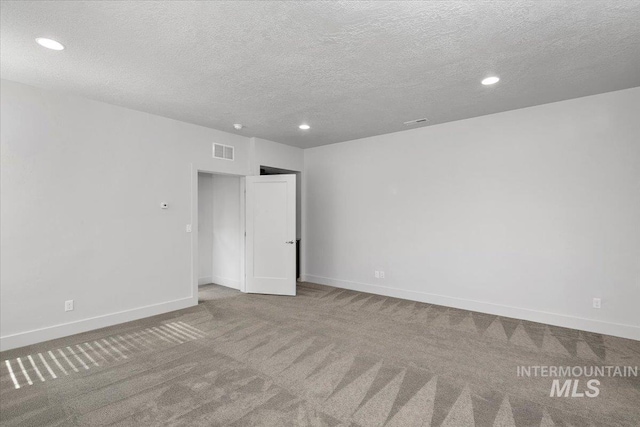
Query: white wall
205, 228
226, 247
269, 153
82, 183
529, 213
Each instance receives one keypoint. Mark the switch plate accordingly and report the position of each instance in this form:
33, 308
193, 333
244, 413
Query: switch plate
382, 274
188, 228
377, 274
68, 305
597, 303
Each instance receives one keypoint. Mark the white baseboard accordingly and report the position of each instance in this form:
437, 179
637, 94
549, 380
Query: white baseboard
35, 336
597, 326
205, 280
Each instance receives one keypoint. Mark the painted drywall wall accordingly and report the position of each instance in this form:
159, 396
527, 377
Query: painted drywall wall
226, 250
529, 213
269, 153
81, 186
205, 228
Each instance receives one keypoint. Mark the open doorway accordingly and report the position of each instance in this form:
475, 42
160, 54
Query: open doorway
220, 231
268, 170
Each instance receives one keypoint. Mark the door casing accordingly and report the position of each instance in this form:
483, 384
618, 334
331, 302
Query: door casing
195, 169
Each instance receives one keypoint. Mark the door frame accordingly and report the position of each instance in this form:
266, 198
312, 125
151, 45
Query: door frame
195, 169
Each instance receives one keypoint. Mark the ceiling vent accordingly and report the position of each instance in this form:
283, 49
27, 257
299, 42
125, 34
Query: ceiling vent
221, 151
414, 122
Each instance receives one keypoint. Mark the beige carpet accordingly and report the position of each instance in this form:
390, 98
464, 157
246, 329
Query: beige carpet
327, 357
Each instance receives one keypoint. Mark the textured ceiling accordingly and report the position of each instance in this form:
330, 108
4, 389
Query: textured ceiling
349, 69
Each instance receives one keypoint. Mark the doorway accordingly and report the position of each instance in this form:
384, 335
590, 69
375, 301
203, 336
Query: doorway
228, 251
220, 230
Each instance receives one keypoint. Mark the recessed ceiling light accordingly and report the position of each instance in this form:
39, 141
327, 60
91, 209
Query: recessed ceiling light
304, 127
490, 80
49, 44
238, 126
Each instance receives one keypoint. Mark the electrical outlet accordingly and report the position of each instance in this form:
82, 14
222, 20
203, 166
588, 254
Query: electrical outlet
597, 303
68, 305
377, 274
382, 274
188, 228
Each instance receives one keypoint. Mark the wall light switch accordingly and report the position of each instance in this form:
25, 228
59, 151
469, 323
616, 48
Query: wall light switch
68, 305
188, 228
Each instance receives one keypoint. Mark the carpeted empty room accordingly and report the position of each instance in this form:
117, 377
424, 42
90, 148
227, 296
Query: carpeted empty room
328, 357
314, 213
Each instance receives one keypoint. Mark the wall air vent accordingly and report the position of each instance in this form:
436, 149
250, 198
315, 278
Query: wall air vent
221, 151
415, 122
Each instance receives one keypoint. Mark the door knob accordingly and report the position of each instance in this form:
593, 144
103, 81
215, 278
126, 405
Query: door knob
291, 242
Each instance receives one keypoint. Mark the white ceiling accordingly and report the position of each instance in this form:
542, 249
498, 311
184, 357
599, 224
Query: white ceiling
349, 69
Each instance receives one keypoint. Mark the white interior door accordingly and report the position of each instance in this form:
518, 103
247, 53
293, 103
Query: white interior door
271, 234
